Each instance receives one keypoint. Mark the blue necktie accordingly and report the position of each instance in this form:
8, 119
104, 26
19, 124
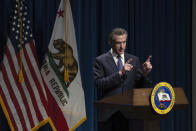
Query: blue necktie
119, 63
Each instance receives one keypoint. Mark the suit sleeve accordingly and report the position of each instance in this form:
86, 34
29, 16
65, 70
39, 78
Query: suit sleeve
141, 80
103, 81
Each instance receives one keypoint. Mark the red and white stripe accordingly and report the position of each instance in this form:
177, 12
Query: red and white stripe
25, 102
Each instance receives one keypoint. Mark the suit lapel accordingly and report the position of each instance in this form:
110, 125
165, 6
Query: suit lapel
111, 61
127, 57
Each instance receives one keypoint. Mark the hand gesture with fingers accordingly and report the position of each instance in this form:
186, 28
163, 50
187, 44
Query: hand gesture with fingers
127, 67
147, 67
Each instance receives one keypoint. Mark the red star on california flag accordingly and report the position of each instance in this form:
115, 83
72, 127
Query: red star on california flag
60, 13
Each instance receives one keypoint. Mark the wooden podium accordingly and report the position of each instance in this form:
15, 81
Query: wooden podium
135, 104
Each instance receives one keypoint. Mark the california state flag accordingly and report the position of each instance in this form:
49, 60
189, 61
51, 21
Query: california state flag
61, 73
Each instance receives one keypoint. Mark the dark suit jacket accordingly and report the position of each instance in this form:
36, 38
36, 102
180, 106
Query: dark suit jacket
109, 82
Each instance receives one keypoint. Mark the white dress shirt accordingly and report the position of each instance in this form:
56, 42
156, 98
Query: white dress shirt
115, 57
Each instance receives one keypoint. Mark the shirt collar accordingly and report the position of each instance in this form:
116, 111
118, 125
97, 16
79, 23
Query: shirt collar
115, 55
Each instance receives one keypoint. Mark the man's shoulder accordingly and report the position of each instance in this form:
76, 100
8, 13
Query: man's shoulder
103, 56
127, 55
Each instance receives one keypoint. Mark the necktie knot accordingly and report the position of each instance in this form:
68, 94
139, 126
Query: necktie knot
119, 57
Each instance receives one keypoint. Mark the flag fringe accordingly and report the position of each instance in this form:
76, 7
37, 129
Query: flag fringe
78, 124
6, 114
42, 123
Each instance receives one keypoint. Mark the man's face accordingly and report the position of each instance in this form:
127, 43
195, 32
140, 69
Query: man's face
119, 44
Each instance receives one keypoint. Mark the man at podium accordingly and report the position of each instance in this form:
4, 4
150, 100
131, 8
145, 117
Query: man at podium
115, 72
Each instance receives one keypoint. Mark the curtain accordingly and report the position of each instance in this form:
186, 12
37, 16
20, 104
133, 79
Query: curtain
193, 65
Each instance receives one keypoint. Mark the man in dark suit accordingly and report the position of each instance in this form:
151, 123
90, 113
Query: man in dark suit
114, 72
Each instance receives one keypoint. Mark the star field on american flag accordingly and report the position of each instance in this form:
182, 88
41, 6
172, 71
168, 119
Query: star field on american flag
14, 25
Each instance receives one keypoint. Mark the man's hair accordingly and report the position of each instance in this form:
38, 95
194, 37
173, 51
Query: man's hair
116, 31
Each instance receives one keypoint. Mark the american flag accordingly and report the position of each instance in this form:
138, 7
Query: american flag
24, 103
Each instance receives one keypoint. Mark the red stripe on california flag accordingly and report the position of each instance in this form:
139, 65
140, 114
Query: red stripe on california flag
55, 113
34, 75
8, 109
13, 97
20, 88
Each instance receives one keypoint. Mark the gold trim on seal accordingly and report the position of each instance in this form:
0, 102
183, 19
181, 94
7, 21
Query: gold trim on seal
157, 86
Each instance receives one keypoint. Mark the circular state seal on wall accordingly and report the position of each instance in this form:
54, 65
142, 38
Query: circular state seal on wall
162, 98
